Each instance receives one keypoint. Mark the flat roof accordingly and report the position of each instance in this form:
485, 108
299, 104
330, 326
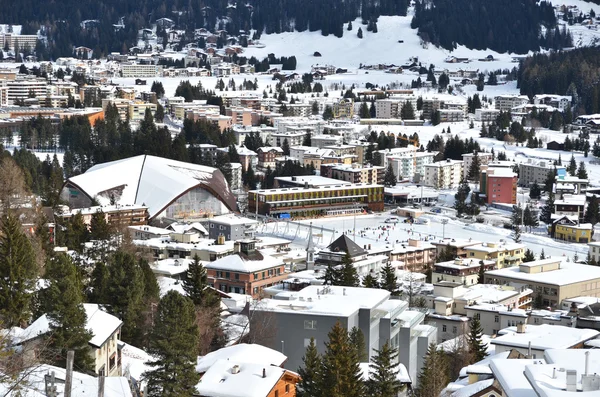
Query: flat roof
312, 180
568, 273
328, 301
339, 185
544, 337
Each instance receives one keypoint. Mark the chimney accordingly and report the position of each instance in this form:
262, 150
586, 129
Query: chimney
529, 350
264, 373
236, 247
587, 362
571, 380
306, 185
521, 328
235, 369
221, 239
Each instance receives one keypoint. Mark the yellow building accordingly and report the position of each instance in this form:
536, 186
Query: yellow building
580, 233
505, 254
344, 109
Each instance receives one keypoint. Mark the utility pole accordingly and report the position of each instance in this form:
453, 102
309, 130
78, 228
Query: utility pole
101, 386
69, 377
444, 222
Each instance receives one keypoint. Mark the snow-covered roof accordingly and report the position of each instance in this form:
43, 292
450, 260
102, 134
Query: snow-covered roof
222, 380
327, 301
473, 388
243, 264
242, 353
544, 336
171, 266
153, 181
101, 324
186, 227
34, 384
510, 375
568, 273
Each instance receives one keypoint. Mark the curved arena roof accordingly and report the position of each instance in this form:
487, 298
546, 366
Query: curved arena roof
153, 181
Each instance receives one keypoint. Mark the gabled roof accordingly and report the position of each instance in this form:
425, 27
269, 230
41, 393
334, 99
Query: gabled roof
150, 180
345, 244
100, 323
239, 262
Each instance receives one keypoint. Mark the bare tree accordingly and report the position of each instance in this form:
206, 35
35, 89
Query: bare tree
262, 324
12, 184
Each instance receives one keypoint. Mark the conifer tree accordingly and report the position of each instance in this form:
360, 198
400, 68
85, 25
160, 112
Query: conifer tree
18, 273
383, 380
76, 233
310, 372
370, 282
550, 181
331, 275
173, 343
389, 281
99, 228
481, 274
592, 212
341, 375
348, 275
535, 192
517, 220
389, 178
474, 169
62, 301
407, 112
328, 113
434, 374
572, 167
581, 171
285, 146
529, 219
548, 210
359, 33
477, 348
542, 254
195, 285
357, 341
529, 256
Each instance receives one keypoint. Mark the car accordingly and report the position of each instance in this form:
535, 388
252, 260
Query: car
392, 220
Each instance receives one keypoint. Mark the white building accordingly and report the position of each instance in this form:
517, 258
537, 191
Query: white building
406, 162
468, 158
559, 102
533, 171
139, 70
506, 102
486, 115
445, 174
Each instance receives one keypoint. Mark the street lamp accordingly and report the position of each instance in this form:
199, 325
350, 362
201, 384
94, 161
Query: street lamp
444, 222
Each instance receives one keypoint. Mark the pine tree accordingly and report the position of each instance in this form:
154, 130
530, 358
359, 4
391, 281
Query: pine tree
62, 302
99, 228
328, 113
195, 285
310, 372
542, 255
370, 282
331, 275
460, 202
529, 218
434, 374
581, 171
548, 209
389, 178
18, 273
477, 348
383, 380
389, 281
159, 115
535, 192
357, 341
481, 274
348, 275
359, 33
592, 212
407, 112
77, 233
529, 256
572, 167
173, 343
550, 181
341, 375
364, 111
474, 169
285, 146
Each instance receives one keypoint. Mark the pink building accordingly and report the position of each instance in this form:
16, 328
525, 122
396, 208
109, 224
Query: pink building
499, 185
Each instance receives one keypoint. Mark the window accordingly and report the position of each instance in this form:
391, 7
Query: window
227, 275
237, 276
496, 319
307, 342
263, 274
287, 389
276, 393
443, 328
454, 330
310, 324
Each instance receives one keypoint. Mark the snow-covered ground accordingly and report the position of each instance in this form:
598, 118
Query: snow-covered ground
369, 231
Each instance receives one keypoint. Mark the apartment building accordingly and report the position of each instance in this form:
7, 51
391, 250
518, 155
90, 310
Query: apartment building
503, 254
26, 87
313, 311
391, 108
231, 227
458, 247
505, 103
463, 271
486, 115
531, 171
499, 185
354, 173
246, 271
571, 205
468, 158
554, 279
451, 115
20, 41
406, 162
322, 200
141, 70
417, 255
560, 102
445, 174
